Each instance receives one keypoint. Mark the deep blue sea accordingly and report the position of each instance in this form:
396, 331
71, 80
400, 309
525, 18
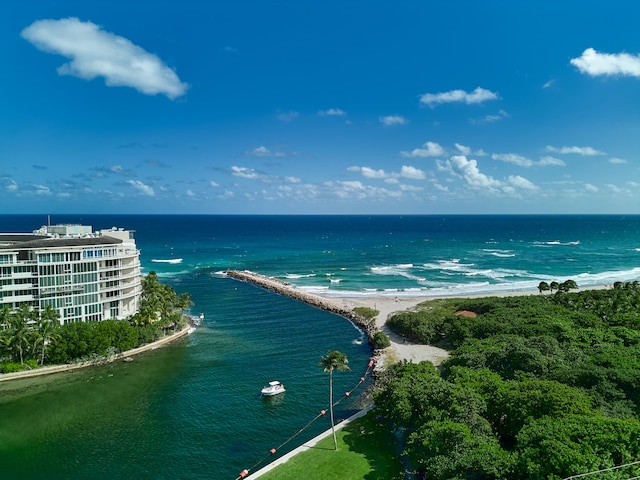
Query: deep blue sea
192, 410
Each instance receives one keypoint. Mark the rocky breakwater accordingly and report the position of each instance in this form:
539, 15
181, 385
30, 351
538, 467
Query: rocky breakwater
289, 290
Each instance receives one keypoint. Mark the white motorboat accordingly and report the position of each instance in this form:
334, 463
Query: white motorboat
274, 388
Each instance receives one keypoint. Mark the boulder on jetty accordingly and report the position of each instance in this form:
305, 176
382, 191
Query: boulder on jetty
284, 288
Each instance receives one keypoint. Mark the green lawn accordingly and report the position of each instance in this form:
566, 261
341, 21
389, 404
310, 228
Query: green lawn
368, 454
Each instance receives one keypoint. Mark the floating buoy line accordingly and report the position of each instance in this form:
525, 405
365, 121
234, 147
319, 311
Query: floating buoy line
245, 473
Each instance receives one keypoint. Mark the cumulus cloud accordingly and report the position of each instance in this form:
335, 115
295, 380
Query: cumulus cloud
412, 173
461, 167
595, 63
332, 112
586, 151
527, 162
391, 120
479, 95
41, 190
143, 188
590, 188
429, 149
97, 53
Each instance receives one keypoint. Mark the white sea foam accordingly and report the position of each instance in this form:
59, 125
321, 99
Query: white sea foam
168, 260
294, 276
499, 253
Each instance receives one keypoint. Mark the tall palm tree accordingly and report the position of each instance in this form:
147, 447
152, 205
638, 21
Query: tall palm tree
47, 331
334, 360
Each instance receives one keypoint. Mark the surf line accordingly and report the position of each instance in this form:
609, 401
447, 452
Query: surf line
286, 289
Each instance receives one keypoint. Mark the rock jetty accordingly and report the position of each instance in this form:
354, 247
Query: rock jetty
284, 288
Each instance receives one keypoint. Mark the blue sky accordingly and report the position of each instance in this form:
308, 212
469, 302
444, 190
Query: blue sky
365, 107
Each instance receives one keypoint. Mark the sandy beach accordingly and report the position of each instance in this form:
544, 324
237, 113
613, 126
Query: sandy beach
402, 349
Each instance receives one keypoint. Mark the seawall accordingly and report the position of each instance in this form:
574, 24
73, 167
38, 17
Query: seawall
283, 288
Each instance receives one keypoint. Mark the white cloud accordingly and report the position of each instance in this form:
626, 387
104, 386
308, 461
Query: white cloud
548, 84
368, 172
520, 182
413, 173
491, 118
617, 161
97, 53
459, 166
263, 151
10, 184
214, 184
551, 161
41, 190
244, 172
463, 149
595, 63
141, 187
332, 112
292, 180
513, 158
391, 120
587, 151
590, 188
479, 95
190, 193
390, 177
526, 162
429, 149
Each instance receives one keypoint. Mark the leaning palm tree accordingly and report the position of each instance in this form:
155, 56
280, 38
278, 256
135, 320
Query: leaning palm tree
334, 361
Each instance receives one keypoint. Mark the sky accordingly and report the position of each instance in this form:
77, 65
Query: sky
320, 107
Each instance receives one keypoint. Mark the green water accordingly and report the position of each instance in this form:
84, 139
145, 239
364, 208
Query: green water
188, 410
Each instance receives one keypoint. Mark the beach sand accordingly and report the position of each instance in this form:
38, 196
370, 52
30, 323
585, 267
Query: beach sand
402, 349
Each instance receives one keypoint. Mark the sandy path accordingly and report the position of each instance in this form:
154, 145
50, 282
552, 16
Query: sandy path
400, 349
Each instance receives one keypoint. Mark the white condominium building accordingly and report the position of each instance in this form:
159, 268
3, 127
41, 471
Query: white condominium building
82, 274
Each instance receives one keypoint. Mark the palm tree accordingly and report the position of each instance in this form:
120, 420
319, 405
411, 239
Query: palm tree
543, 287
48, 328
334, 361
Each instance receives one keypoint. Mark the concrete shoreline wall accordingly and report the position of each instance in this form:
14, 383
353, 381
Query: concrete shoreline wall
283, 288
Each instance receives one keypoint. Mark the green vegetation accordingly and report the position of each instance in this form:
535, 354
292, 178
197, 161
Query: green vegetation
536, 387
380, 340
29, 338
366, 312
366, 450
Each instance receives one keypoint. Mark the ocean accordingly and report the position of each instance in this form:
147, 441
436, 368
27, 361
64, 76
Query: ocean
192, 409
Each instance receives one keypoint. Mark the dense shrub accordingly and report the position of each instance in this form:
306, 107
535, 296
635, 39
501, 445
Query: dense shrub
380, 340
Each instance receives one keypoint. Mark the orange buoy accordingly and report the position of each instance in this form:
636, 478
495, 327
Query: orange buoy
347, 394
273, 451
244, 473
322, 412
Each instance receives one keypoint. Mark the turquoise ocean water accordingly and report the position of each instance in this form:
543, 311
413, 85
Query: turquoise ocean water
192, 410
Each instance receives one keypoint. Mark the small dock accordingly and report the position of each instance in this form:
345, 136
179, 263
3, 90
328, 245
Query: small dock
288, 290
